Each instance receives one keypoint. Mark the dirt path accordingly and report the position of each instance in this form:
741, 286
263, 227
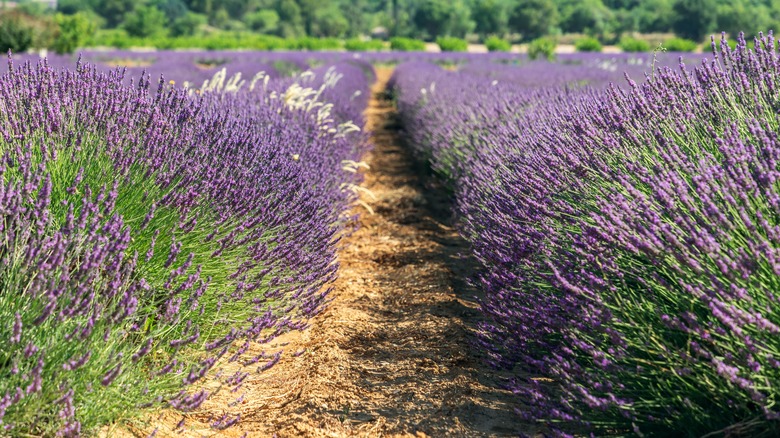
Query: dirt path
391, 355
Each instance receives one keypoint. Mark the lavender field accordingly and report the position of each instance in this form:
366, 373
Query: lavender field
150, 232
626, 233
166, 215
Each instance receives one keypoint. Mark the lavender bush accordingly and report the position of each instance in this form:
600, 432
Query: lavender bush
628, 239
147, 236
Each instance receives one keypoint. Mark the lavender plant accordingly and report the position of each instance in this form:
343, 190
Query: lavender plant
148, 237
628, 243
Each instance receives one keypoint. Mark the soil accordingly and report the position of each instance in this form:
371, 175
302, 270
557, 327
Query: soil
392, 354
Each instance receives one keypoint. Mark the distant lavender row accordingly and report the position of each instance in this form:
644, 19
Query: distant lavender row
147, 237
197, 66
628, 237
480, 102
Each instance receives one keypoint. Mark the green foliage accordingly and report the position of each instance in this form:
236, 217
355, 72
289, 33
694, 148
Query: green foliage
588, 44
621, 21
490, 17
329, 22
314, 44
202, 6
361, 16
220, 19
33, 8
693, 19
443, 18
113, 11
460, 23
534, 18
358, 45
73, 32
16, 34
118, 38
606, 20
70, 7
188, 24
406, 44
628, 44
263, 21
742, 16
309, 10
20, 31
497, 44
145, 21
173, 9
291, 19
654, 15
452, 44
542, 47
432, 16
587, 16
680, 45
241, 8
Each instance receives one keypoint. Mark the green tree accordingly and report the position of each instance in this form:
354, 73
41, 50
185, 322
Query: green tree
694, 18
291, 22
358, 17
533, 18
432, 17
740, 16
72, 32
491, 17
460, 23
72, 6
220, 19
17, 31
35, 9
238, 9
443, 18
21, 30
396, 16
113, 11
173, 9
189, 24
586, 16
622, 21
654, 15
309, 11
774, 14
263, 21
202, 6
329, 22
145, 21
622, 4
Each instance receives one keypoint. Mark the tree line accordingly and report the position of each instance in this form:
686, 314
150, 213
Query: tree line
519, 20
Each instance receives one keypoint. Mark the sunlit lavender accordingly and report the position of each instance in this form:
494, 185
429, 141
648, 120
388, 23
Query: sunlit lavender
627, 234
150, 232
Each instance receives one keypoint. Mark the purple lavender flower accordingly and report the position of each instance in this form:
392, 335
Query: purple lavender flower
622, 233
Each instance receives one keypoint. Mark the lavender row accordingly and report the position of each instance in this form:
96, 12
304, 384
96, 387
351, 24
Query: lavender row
628, 237
150, 233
